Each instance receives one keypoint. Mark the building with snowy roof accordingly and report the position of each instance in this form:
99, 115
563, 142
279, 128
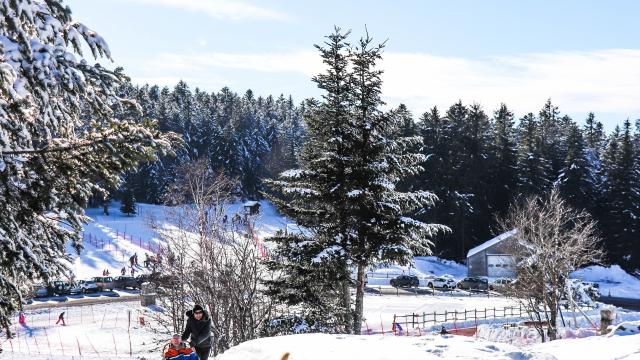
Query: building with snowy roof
491, 258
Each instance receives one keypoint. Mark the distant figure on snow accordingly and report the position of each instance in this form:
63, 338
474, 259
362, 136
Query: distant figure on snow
132, 260
123, 271
61, 319
22, 320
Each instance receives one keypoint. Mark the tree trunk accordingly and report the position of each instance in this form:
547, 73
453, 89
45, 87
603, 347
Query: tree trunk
357, 321
552, 332
346, 302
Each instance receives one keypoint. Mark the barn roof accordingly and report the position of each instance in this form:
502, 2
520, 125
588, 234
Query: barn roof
251, 203
491, 242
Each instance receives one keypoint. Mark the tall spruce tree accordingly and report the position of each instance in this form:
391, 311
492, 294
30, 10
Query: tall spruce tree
593, 132
313, 259
504, 175
51, 157
576, 181
534, 171
352, 139
128, 205
621, 188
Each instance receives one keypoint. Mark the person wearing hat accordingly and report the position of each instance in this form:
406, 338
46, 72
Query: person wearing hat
177, 347
198, 329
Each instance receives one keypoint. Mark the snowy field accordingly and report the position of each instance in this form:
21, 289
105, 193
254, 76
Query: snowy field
115, 330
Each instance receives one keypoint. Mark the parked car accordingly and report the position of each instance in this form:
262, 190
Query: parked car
474, 283
42, 291
61, 287
87, 286
500, 284
123, 282
405, 281
104, 283
442, 283
76, 288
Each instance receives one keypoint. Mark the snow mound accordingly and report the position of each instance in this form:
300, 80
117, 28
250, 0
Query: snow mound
374, 347
350, 347
612, 280
438, 267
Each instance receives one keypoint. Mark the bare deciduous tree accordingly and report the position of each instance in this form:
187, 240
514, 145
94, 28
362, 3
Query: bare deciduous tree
213, 258
551, 241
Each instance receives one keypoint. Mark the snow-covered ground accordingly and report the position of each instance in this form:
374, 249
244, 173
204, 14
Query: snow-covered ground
337, 347
613, 281
379, 310
124, 235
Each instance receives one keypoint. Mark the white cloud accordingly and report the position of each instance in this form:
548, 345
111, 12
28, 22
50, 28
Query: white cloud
600, 81
606, 81
220, 9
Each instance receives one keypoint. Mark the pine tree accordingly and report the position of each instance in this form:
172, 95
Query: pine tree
593, 132
128, 205
349, 195
621, 188
576, 182
504, 177
312, 260
51, 155
534, 170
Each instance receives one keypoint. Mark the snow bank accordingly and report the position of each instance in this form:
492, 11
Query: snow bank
351, 347
612, 280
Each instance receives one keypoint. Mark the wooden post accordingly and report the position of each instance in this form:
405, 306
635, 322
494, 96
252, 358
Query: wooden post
48, 343
35, 339
606, 319
61, 346
103, 316
129, 333
78, 342
92, 347
114, 344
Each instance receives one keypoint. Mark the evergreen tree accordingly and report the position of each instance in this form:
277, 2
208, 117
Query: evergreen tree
365, 161
576, 182
621, 188
313, 196
534, 170
128, 205
50, 154
593, 132
504, 177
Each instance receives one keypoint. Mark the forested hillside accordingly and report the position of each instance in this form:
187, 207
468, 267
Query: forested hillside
478, 161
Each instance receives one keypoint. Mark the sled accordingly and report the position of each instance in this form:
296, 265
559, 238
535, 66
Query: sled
191, 356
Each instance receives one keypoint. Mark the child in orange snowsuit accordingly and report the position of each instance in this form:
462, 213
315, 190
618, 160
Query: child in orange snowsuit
177, 347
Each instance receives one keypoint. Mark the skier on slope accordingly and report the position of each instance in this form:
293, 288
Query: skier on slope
61, 319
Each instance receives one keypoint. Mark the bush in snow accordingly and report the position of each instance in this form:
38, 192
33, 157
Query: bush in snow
553, 240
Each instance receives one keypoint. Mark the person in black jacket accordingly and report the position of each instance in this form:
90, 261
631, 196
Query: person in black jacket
199, 328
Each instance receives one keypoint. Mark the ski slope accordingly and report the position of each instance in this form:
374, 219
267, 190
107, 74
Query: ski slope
119, 236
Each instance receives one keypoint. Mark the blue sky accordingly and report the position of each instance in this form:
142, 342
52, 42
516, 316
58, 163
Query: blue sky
585, 55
